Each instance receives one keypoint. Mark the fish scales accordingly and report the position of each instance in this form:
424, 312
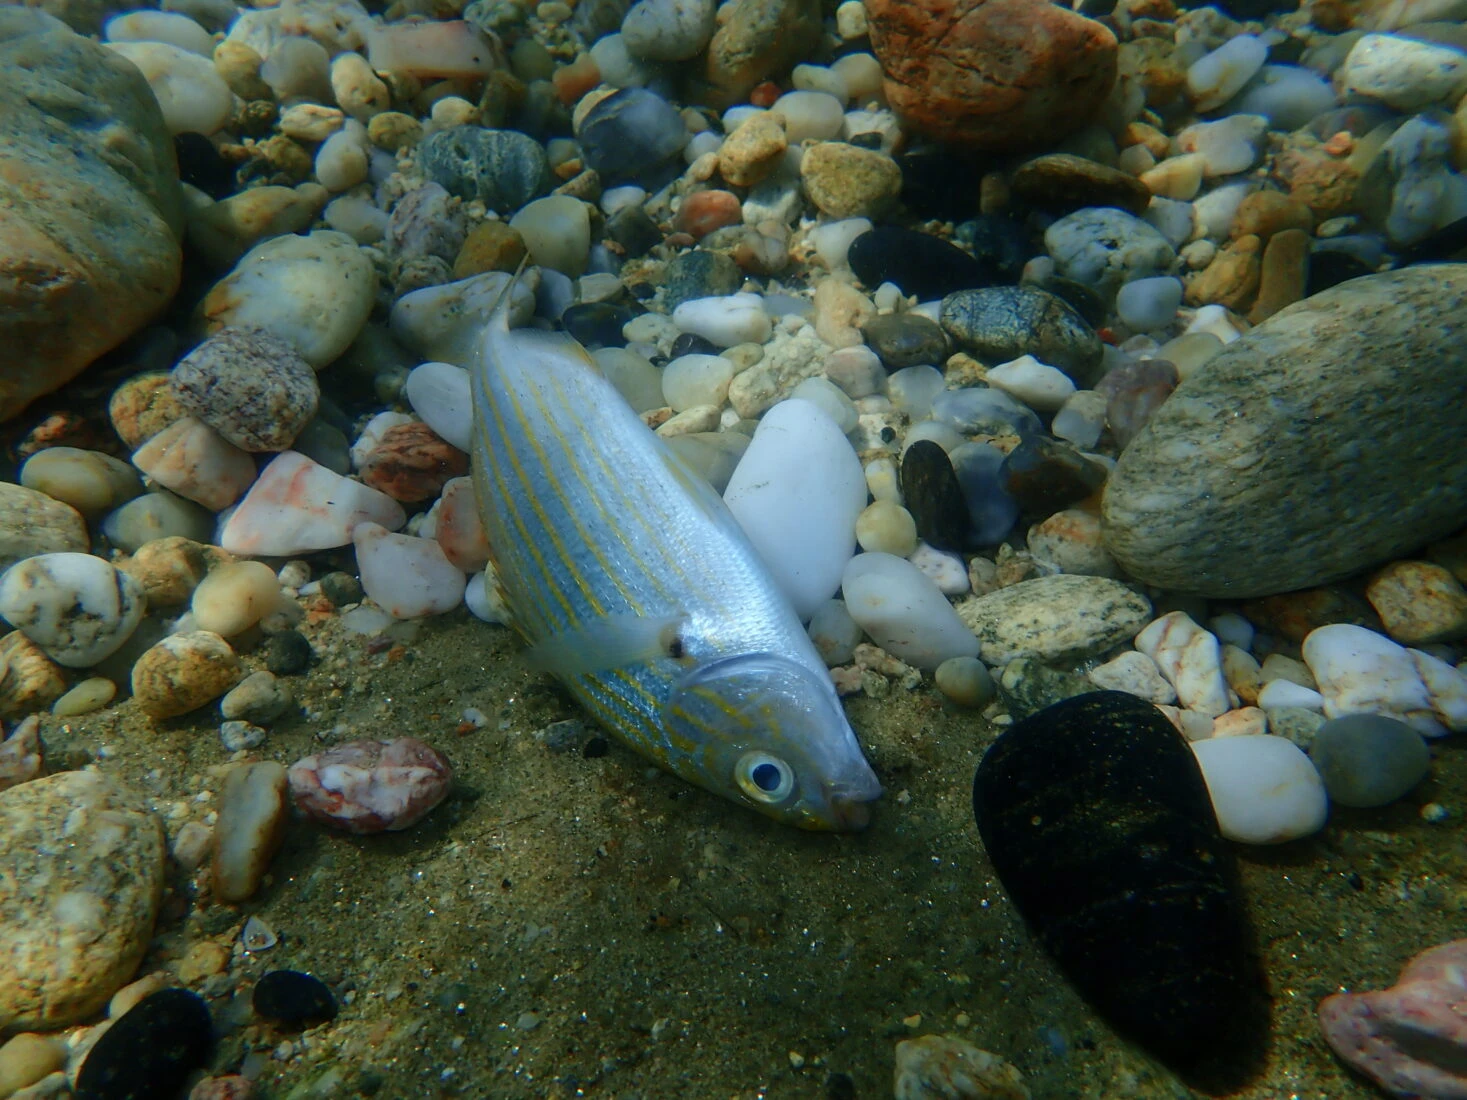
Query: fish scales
636, 587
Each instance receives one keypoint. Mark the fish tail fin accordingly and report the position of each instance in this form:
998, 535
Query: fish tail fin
499, 315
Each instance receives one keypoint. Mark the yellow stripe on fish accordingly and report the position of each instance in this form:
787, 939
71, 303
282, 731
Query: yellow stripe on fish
636, 588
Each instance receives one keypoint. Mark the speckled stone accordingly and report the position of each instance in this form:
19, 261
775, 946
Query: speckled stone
700, 274
142, 407
756, 40
502, 168
182, 672
1062, 182
82, 863
999, 324
32, 523
250, 386
1056, 618
1300, 454
32, 681
1418, 602
906, 340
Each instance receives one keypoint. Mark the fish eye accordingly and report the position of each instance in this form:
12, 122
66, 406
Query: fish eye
764, 778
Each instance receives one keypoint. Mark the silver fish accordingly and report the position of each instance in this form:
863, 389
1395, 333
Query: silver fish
637, 589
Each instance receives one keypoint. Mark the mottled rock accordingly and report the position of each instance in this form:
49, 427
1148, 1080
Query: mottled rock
753, 150
1418, 602
29, 680
1063, 182
758, 40
371, 786
32, 523
1231, 279
999, 324
411, 462
90, 207
250, 386
82, 862
905, 340
992, 74
846, 181
1055, 618
504, 169
182, 672
142, 407
1339, 408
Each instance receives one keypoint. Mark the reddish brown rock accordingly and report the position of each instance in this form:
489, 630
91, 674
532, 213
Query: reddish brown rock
992, 74
1322, 181
371, 786
412, 463
704, 211
1284, 276
1231, 279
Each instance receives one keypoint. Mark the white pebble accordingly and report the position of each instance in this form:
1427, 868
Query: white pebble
1191, 659
725, 321
360, 219
1227, 146
832, 241
77, 608
341, 161
1215, 78
904, 612
1285, 693
440, 394
1148, 304
557, 232
692, 380
913, 389
481, 597
1135, 674
810, 116
191, 94
943, 568
1362, 672
834, 633
830, 397
1037, 384
1405, 73
158, 26
797, 492
407, 577
1263, 788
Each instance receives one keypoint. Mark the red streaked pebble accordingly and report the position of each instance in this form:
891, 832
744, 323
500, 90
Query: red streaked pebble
371, 786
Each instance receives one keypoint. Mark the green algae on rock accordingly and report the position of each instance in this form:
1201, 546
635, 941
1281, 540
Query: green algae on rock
1325, 441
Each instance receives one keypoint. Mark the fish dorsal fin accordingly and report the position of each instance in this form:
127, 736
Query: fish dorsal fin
610, 641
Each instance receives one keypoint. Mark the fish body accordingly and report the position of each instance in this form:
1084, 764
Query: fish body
637, 589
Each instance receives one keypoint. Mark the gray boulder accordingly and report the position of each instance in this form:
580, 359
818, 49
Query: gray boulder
1325, 441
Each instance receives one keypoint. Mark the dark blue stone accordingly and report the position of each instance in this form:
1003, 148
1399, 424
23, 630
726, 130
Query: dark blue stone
631, 133
1000, 243
293, 998
504, 169
151, 1051
596, 324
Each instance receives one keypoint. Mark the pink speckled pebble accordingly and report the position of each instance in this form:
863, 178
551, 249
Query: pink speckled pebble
1411, 1039
371, 786
232, 1087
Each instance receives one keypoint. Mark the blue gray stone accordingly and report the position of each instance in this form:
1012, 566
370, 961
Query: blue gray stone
1001, 323
630, 134
1369, 760
502, 168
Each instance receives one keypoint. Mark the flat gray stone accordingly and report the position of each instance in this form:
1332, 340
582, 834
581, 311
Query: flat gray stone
1325, 441
1060, 618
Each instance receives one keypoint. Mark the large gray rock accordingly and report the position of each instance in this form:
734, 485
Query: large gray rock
1325, 441
90, 207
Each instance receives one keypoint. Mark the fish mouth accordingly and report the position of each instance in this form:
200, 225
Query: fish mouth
850, 808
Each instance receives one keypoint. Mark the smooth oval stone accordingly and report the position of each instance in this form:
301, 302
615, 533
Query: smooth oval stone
905, 340
934, 497
596, 324
1063, 182
150, 1051
293, 998
999, 324
1098, 822
503, 168
1302, 452
919, 263
630, 133
1369, 760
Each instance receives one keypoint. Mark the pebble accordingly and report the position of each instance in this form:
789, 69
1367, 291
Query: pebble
834, 633
90, 694
503, 169
407, 577
297, 506
827, 395
1070, 541
182, 673
799, 473
1373, 350
445, 323
1191, 659
1063, 182
903, 611
190, 92
950, 1066
1418, 602
27, 1058
234, 597
557, 233
196, 462
1368, 760
1057, 618
692, 380
31, 522
942, 568
89, 481
314, 291
259, 698
154, 516
1037, 384
757, 41
225, 230
460, 529
905, 340
1216, 77
250, 386
919, 263
1135, 674
151, 1049
596, 325
33, 681
725, 321
1148, 304
1405, 73
1227, 146
371, 786
253, 813
1263, 788
77, 608
440, 394
1103, 248
886, 527
846, 181
753, 150
1283, 274
77, 844
1000, 324
1289, 96
288, 653
966, 682
411, 463
1362, 672
668, 30
630, 134
293, 999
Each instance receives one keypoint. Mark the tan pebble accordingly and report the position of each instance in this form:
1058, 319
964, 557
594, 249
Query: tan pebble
29, 680
1242, 722
311, 121
846, 181
142, 407
1177, 177
1241, 671
945, 1065
20, 753
840, 313
239, 65
358, 90
1284, 273
1231, 279
169, 569
1419, 602
1264, 213
27, 1058
573, 81
753, 150
224, 231
204, 959
89, 481
490, 246
886, 527
89, 695
393, 130
183, 672
254, 809
234, 597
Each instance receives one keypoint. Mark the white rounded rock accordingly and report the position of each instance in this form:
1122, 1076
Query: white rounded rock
725, 320
197, 463
943, 568
77, 608
1148, 304
692, 380
834, 633
342, 161
482, 598
810, 116
832, 241
904, 612
1404, 73
191, 94
90, 481
557, 232
407, 577
159, 26
1215, 78
440, 394
1264, 789
831, 398
446, 323
1037, 384
797, 492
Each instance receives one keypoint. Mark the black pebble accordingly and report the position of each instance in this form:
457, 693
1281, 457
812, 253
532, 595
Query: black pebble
341, 588
999, 242
934, 496
937, 183
200, 164
919, 263
288, 653
151, 1051
596, 324
1098, 822
690, 343
293, 998
633, 229
840, 1086
1449, 243
596, 748
1331, 267
1046, 476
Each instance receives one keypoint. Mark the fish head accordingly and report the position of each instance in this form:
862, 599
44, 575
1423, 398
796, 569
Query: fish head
769, 733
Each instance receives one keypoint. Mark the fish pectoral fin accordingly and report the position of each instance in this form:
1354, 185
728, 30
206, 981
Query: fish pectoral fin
611, 641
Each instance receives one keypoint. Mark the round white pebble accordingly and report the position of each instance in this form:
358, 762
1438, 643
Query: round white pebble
1037, 384
440, 394
904, 612
407, 577
725, 321
692, 380
1264, 789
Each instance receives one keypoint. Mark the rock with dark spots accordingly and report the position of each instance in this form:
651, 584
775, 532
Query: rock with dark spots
1046, 476
596, 324
288, 652
999, 324
1324, 441
932, 494
503, 169
150, 1051
921, 264
1098, 823
249, 385
700, 274
1062, 182
905, 340
630, 133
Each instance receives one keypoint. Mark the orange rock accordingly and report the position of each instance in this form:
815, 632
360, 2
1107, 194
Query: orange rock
412, 463
992, 74
765, 94
576, 79
1265, 213
704, 211
1231, 279
1324, 183
1418, 602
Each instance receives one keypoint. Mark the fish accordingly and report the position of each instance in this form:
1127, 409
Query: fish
636, 588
